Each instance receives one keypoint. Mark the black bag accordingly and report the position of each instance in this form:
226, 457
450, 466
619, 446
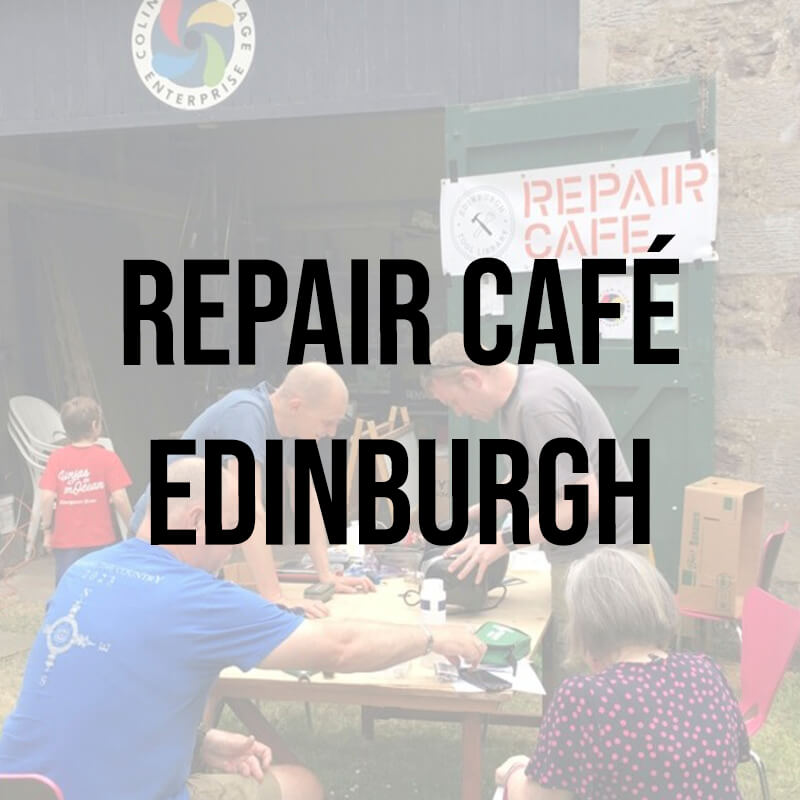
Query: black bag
465, 594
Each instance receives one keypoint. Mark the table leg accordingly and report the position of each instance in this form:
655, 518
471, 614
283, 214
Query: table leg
471, 757
254, 721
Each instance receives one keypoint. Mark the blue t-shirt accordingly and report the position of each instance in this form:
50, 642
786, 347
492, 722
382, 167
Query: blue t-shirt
245, 415
119, 674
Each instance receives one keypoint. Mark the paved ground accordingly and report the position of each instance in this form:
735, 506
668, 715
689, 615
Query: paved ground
32, 583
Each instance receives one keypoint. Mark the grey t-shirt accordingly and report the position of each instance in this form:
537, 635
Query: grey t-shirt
547, 402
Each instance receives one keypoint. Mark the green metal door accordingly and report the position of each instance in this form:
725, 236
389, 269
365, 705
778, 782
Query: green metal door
670, 405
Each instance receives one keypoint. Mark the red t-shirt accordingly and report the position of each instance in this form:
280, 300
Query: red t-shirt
83, 479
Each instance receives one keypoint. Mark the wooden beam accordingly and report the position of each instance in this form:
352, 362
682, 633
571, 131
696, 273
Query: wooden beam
56, 184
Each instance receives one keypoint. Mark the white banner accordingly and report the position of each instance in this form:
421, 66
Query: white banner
608, 209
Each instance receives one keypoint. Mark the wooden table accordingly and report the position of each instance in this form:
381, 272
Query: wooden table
412, 690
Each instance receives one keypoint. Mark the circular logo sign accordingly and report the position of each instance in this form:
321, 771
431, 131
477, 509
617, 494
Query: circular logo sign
482, 223
621, 296
193, 54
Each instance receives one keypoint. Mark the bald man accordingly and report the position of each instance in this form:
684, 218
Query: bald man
309, 404
133, 640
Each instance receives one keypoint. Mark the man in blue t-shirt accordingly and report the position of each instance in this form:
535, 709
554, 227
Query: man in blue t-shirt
309, 404
132, 642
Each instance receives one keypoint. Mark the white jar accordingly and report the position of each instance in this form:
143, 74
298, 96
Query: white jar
433, 602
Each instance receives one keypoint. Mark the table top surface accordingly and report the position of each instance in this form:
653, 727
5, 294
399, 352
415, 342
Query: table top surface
526, 606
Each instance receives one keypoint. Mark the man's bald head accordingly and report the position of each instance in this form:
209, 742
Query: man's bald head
311, 401
189, 513
313, 380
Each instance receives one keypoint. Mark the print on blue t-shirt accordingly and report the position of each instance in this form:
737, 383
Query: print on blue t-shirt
119, 674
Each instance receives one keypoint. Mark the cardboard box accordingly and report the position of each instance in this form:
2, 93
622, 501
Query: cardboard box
720, 544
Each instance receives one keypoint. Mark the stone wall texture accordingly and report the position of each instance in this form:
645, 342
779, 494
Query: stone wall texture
752, 48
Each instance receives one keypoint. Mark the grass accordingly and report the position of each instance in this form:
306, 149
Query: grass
422, 759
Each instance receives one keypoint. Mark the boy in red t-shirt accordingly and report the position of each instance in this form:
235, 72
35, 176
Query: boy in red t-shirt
79, 479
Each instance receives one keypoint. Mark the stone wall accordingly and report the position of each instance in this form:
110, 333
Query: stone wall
752, 47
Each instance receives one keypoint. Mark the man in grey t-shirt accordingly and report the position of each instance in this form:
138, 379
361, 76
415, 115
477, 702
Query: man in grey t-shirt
547, 403
533, 404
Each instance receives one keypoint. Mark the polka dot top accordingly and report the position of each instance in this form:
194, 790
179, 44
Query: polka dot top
669, 729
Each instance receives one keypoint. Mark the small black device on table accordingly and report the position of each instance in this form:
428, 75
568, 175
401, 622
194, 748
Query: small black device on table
485, 680
322, 592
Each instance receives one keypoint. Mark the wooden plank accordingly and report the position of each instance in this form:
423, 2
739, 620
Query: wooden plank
535, 46
319, 67
449, 44
48, 182
19, 67
561, 50
518, 719
48, 46
74, 48
426, 37
95, 73
346, 31
275, 50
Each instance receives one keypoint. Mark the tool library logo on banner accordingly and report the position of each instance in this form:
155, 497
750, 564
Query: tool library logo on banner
193, 54
482, 223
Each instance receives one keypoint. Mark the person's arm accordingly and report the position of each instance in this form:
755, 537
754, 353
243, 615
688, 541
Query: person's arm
360, 646
520, 787
258, 554
318, 548
318, 544
47, 501
474, 511
472, 555
317, 539
538, 429
233, 753
122, 505
563, 759
117, 482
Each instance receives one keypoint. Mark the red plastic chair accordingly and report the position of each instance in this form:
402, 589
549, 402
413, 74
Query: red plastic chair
769, 556
29, 787
770, 634
766, 568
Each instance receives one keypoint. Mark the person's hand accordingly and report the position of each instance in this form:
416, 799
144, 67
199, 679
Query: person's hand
312, 609
471, 554
47, 541
503, 772
456, 643
236, 754
350, 584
